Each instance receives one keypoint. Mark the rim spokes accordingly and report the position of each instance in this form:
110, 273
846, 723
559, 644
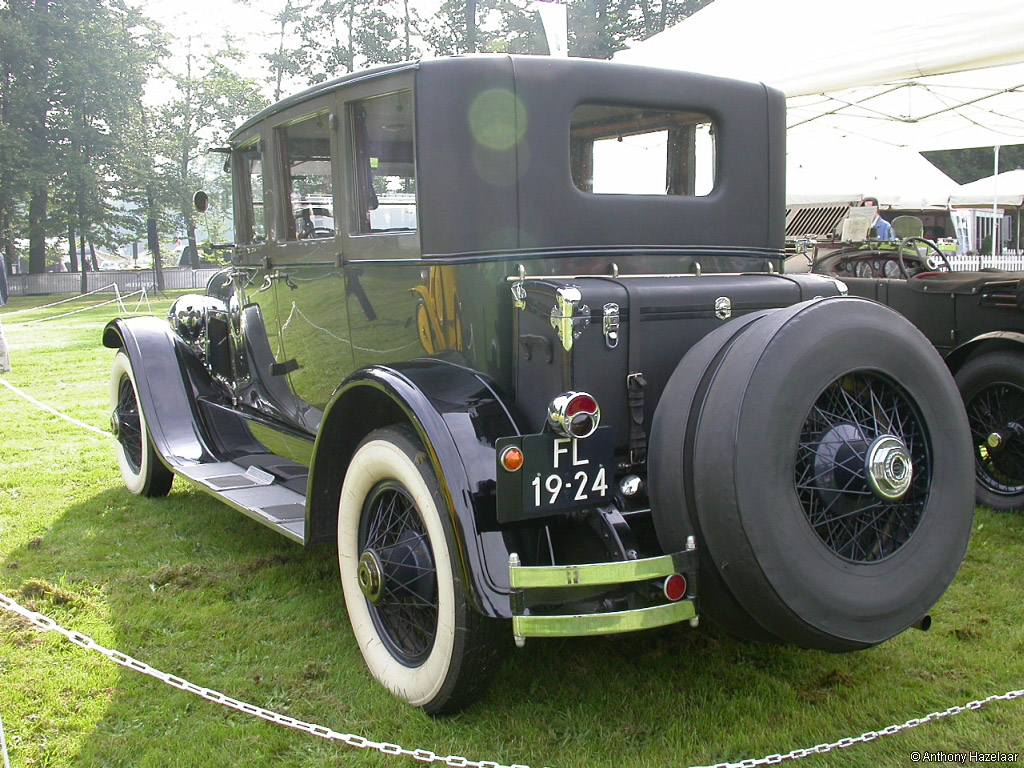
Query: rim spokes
130, 423
839, 499
406, 613
996, 416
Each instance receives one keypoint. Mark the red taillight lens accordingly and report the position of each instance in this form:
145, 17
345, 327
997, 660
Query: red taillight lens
581, 404
674, 587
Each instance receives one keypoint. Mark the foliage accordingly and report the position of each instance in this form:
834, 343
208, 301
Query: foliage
967, 165
73, 73
210, 97
199, 590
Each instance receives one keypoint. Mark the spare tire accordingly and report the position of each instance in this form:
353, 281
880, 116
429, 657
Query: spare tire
832, 474
670, 471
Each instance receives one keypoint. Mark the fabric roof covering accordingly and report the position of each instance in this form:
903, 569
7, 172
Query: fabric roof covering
810, 46
914, 73
1007, 189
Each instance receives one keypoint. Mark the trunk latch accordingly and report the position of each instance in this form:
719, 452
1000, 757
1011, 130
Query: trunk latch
610, 324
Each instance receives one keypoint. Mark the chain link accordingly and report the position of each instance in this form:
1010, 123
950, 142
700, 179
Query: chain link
425, 755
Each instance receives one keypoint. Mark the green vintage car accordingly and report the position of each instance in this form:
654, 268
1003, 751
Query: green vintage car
512, 334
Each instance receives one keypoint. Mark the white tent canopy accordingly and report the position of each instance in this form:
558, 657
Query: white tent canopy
868, 87
1007, 189
895, 74
827, 168
811, 46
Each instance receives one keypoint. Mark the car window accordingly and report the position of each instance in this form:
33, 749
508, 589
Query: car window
631, 150
385, 168
309, 199
254, 229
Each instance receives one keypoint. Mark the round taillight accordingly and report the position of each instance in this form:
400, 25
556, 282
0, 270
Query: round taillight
512, 458
574, 414
581, 403
674, 587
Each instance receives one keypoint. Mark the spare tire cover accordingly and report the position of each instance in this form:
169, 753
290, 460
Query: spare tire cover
802, 405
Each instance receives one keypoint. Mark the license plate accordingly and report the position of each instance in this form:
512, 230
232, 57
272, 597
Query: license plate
558, 474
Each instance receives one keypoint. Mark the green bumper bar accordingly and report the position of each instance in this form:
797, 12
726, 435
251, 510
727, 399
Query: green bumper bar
603, 623
524, 578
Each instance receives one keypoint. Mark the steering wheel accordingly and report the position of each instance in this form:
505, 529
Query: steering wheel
936, 262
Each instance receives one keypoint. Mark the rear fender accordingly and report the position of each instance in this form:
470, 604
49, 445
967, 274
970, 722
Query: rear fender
458, 416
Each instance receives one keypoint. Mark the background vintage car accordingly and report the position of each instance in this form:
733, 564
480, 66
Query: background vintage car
975, 321
512, 333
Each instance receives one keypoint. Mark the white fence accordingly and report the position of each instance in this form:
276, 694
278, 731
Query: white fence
1009, 260
175, 279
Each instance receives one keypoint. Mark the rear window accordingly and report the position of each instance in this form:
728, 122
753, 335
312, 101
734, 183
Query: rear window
628, 150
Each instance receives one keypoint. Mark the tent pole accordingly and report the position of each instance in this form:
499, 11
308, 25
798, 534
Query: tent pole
995, 200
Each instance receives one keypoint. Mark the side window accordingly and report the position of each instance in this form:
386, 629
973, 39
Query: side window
247, 167
627, 150
309, 198
385, 168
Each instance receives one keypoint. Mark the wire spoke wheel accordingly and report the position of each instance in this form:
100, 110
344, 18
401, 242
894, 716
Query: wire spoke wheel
141, 468
996, 416
404, 608
127, 425
863, 467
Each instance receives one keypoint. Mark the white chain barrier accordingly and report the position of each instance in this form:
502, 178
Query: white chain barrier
425, 755
3, 745
359, 742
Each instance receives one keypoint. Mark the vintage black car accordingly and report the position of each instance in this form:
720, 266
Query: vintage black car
512, 333
976, 322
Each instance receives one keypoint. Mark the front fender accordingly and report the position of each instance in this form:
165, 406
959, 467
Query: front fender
165, 396
458, 416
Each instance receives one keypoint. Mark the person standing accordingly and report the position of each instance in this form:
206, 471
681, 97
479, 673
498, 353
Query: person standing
883, 229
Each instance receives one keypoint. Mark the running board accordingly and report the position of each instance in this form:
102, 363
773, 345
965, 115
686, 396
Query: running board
255, 492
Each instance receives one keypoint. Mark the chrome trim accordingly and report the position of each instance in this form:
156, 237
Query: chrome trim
723, 308
610, 324
568, 315
603, 623
890, 469
579, 426
594, 574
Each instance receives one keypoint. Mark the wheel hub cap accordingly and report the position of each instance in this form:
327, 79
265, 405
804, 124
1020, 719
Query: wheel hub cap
889, 468
115, 424
370, 576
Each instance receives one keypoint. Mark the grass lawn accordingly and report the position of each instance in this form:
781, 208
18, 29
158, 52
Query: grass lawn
198, 590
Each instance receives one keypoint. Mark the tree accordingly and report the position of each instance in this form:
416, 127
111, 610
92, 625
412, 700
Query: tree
210, 98
69, 74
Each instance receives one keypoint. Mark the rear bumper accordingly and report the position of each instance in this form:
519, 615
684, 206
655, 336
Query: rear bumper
539, 592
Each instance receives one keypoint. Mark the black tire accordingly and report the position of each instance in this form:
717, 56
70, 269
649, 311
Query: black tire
767, 426
670, 472
992, 386
406, 598
143, 472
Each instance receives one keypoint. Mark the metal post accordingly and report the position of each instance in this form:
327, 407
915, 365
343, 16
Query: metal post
995, 201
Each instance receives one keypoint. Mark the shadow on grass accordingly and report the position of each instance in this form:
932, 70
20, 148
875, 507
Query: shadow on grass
199, 591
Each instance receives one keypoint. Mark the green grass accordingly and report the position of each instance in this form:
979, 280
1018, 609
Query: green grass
196, 589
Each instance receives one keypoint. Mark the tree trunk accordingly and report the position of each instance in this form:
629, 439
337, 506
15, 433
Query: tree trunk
471, 26
408, 47
37, 230
81, 260
72, 255
153, 236
92, 255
